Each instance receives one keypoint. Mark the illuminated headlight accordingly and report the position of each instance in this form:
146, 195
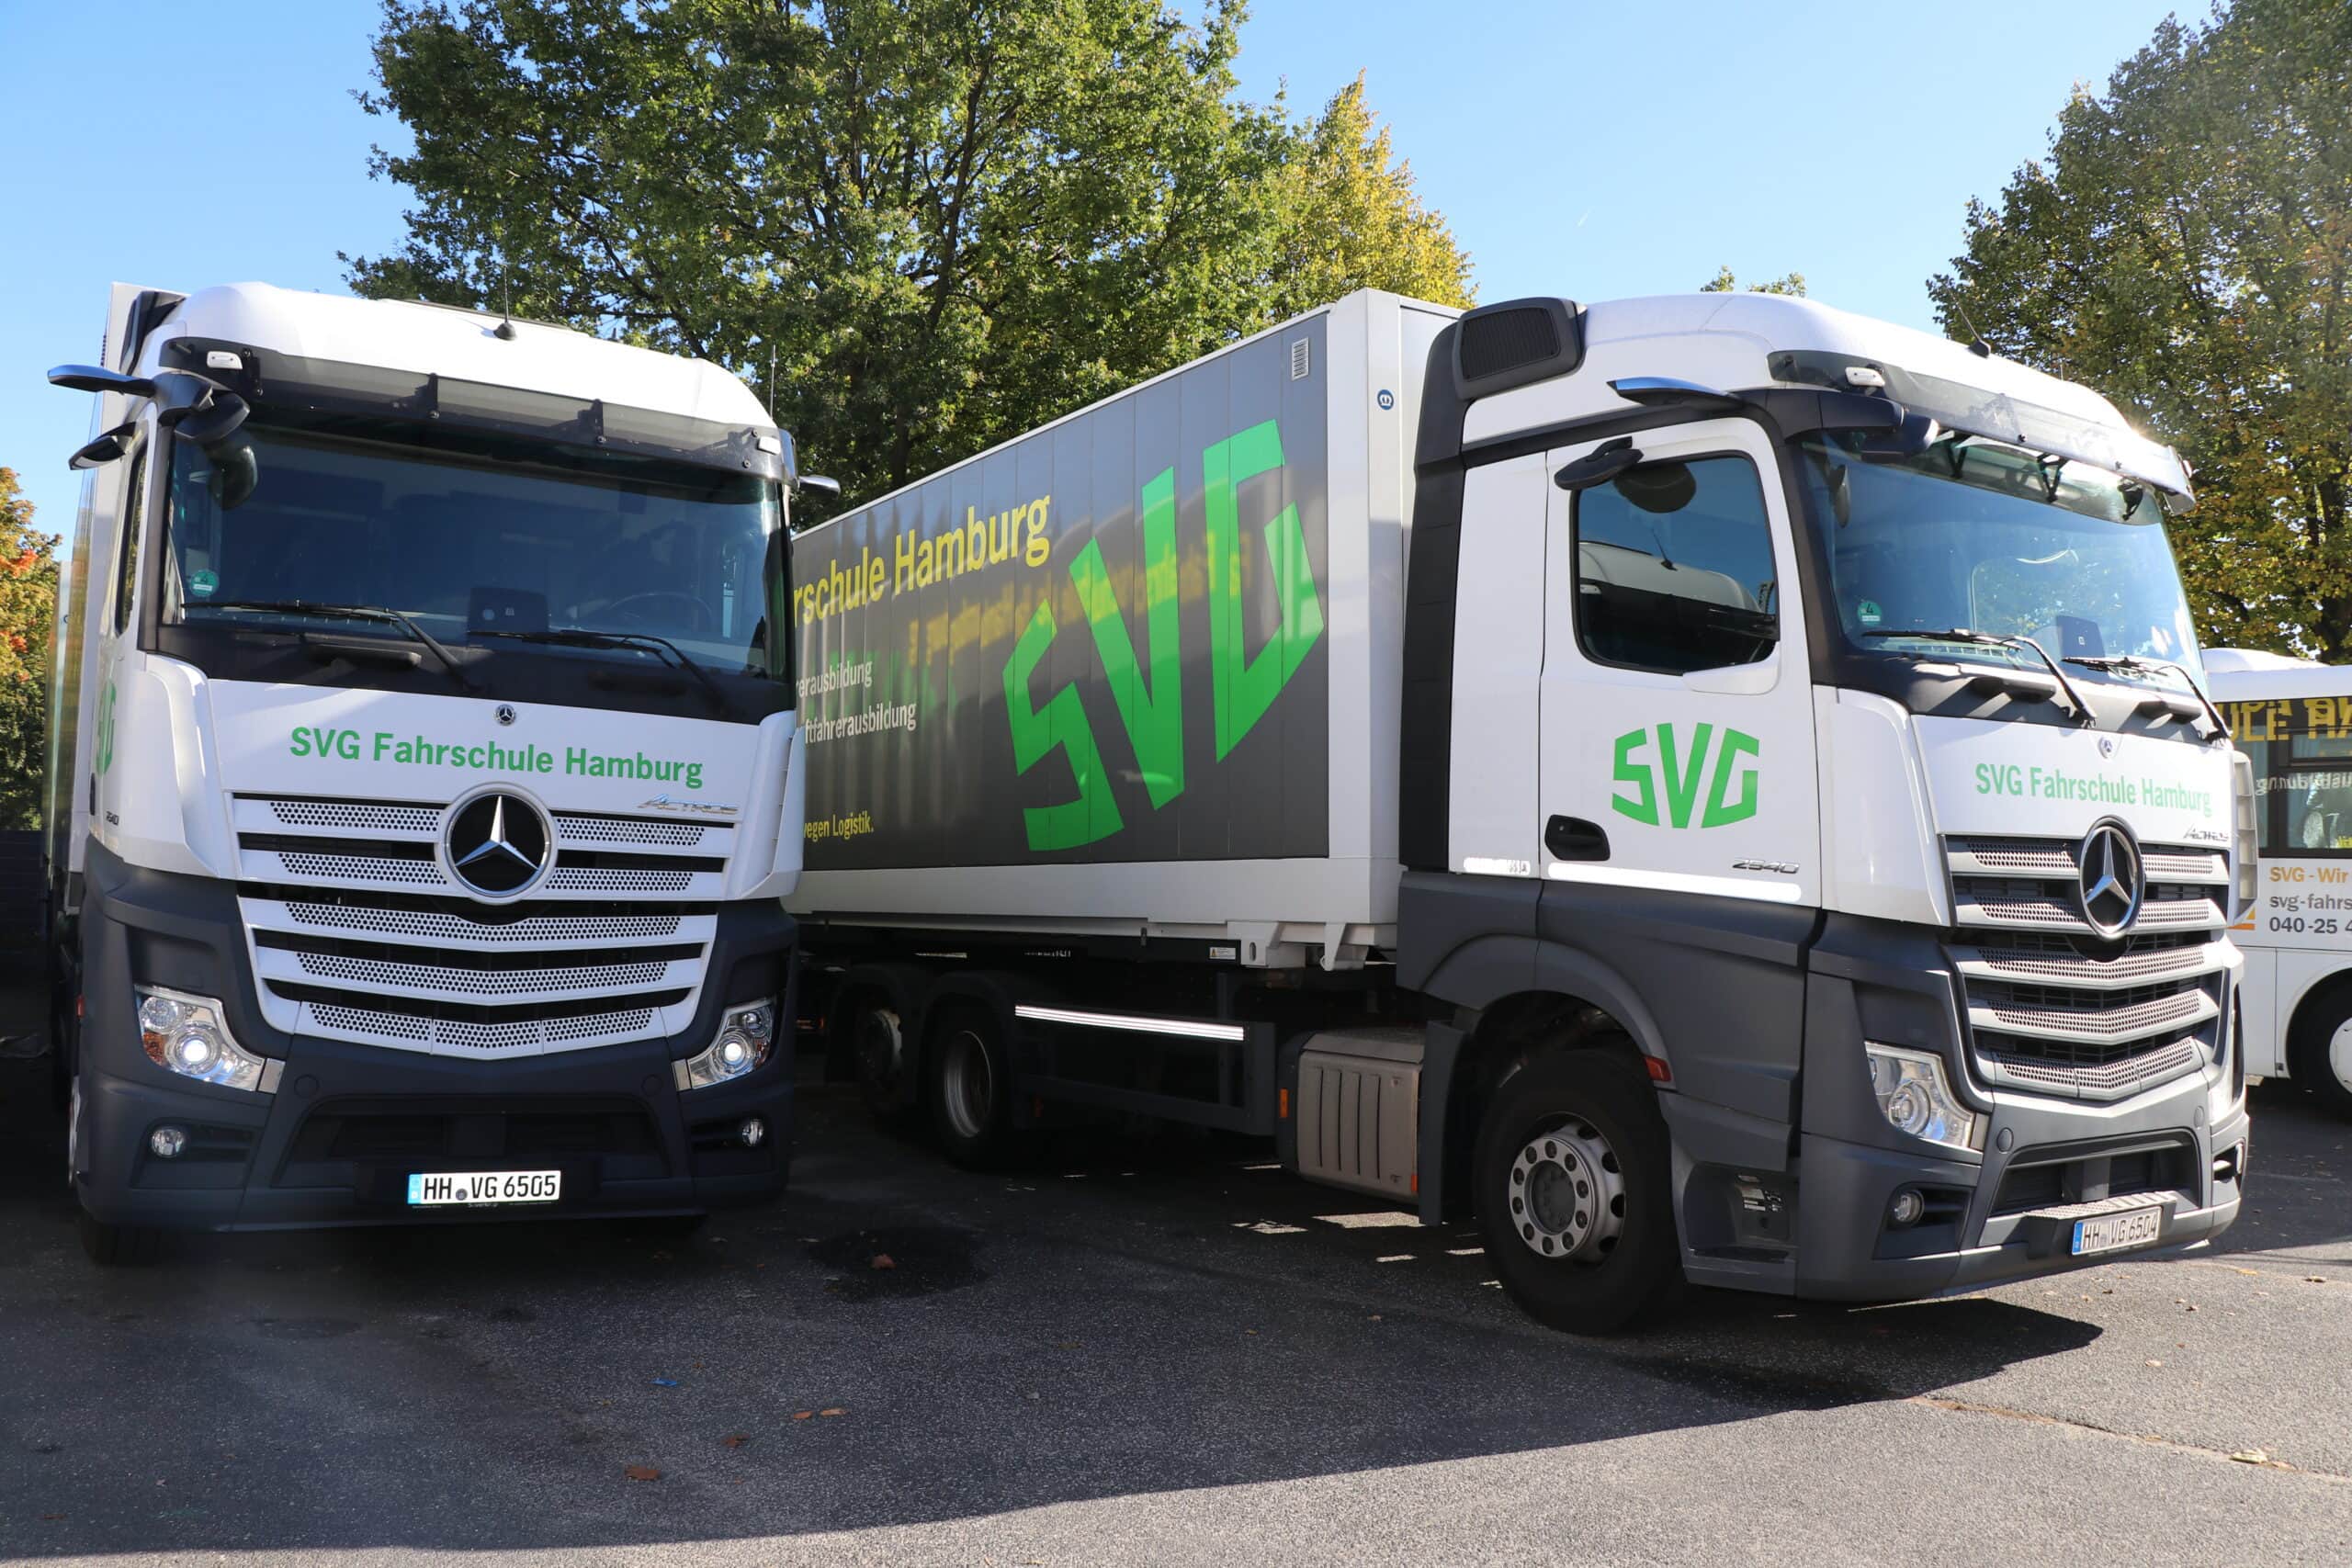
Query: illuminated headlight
1915, 1099
746, 1036
188, 1035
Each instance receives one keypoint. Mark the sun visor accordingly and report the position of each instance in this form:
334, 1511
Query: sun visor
1955, 405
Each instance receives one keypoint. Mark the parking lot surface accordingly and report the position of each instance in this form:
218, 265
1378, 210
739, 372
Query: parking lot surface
1137, 1349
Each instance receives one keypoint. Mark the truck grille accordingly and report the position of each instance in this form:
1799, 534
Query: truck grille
356, 933
2051, 1007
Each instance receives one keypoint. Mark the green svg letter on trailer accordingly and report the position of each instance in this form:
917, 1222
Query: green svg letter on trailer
1247, 687
1094, 815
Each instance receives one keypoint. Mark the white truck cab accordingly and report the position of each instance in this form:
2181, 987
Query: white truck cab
421, 783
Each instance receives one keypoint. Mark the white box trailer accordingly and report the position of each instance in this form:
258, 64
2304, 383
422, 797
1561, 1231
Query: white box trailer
1708, 784
1285, 846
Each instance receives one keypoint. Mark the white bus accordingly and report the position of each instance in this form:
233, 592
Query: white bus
2293, 717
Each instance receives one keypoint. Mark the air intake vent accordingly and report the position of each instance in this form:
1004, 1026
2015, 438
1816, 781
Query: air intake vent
1506, 340
1505, 345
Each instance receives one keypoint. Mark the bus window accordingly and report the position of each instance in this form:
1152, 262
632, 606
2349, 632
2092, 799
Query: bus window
2301, 751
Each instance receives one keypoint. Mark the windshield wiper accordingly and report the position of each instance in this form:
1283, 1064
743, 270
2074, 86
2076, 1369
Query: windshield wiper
580, 637
2134, 663
2002, 639
358, 613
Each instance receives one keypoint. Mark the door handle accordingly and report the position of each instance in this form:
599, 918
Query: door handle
1572, 838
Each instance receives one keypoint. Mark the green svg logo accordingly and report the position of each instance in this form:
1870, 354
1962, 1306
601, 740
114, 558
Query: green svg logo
1149, 695
1679, 772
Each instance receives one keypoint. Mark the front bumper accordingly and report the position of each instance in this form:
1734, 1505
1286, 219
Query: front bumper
2014, 1214
349, 1123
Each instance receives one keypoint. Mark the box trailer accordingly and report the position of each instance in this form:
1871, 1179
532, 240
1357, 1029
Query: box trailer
1706, 785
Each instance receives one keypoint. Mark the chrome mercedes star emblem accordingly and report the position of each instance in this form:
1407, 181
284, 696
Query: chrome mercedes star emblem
2112, 878
498, 844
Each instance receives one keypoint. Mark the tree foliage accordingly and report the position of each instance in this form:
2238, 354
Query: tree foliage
939, 223
2185, 247
1350, 218
1724, 283
27, 617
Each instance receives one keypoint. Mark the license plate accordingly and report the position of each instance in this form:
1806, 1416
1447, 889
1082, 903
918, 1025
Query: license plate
2113, 1233
437, 1188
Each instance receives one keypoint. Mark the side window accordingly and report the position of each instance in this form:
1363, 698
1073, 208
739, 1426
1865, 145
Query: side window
134, 511
2301, 751
1675, 568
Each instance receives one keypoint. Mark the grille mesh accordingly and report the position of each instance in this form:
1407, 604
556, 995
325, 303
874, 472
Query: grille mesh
578, 829
536, 931
360, 868
603, 879
365, 815
477, 981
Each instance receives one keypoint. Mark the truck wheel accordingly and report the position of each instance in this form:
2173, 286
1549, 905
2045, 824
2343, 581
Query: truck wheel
1574, 1192
120, 1246
971, 1088
879, 1049
2320, 1054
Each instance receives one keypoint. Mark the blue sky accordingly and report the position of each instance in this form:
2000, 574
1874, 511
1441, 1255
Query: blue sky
1591, 150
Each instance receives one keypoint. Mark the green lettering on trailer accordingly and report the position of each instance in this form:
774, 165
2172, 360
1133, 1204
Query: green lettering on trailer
1154, 715
1060, 725
1247, 687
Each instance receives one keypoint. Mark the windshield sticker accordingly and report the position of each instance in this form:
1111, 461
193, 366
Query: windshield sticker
1867, 613
202, 584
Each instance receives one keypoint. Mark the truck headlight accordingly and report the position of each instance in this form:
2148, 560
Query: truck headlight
1915, 1099
746, 1039
188, 1035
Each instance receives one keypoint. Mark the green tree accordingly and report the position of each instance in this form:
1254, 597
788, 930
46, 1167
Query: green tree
1351, 218
2186, 248
937, 224
1724, 283
28, 613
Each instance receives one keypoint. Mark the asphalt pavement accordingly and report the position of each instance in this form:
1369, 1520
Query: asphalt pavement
1137, 1349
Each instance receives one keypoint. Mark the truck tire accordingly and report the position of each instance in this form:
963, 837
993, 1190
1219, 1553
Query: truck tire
970, 1086
2319, 1055
883, 1059
120, 1246
1574, 1188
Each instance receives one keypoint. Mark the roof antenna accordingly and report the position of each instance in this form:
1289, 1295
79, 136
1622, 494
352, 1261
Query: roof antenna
505, 330
1976, 343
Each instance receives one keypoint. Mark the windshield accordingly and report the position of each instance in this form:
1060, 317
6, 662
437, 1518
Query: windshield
511, 537
1976, 535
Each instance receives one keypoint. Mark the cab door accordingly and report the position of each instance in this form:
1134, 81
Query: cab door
1677, 786
1676, 700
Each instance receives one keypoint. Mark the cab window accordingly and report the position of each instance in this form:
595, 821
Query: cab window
1674, 566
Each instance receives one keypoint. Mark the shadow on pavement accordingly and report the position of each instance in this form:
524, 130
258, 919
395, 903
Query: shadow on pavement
1124, 1319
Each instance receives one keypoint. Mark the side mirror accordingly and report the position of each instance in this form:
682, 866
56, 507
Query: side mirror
235, 472
97, 379
215, 423
819, 482
1601, 465
105, 449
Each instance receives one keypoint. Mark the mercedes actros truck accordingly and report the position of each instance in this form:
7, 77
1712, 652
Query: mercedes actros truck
1712, 786
423, 775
